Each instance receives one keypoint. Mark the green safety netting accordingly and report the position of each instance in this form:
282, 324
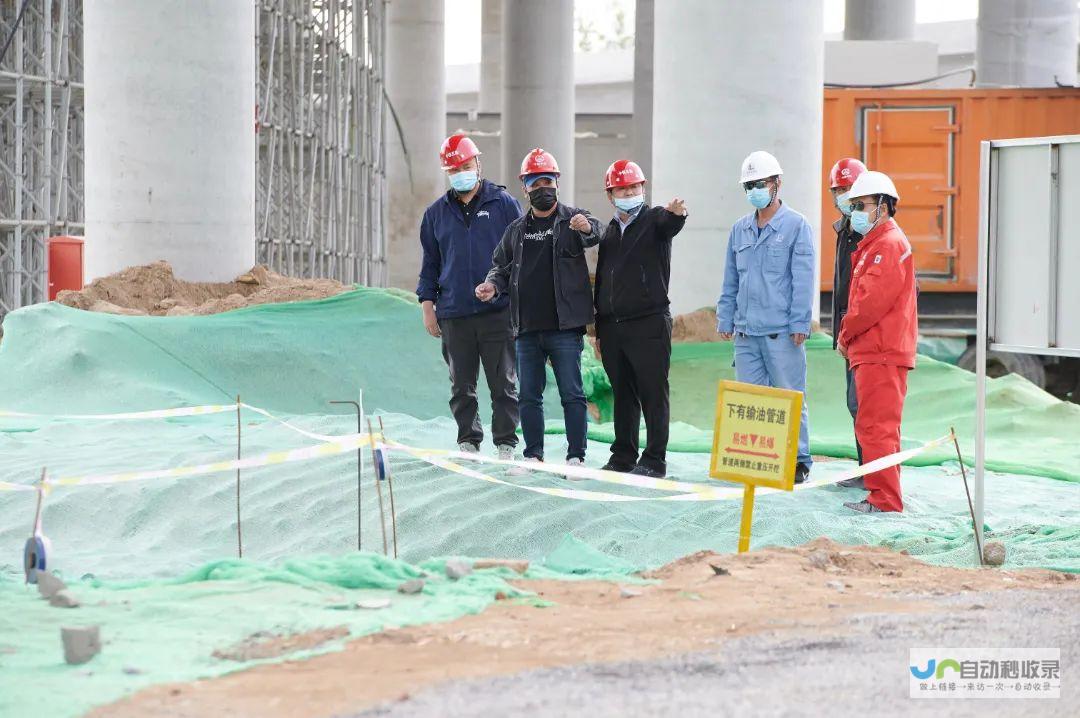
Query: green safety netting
299, 520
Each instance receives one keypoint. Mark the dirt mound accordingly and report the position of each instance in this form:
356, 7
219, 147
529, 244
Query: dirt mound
696, 326
153, 289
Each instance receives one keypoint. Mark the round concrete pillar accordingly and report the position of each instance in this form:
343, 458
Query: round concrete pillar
416, 87
879, 20
491, 56
762, 91
643, 84
538, 87
170, 136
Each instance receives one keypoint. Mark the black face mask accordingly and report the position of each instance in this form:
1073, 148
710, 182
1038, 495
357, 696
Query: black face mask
543, 198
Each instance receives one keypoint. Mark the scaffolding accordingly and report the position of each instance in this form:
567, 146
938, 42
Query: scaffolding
321, 189
321, 165
41, 140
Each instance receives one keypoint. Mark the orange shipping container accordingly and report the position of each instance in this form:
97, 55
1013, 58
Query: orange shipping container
928, 142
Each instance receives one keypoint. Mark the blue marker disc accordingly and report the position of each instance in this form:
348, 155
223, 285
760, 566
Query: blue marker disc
35, 556
382, 464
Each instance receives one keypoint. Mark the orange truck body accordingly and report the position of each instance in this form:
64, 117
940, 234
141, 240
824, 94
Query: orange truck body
928, 142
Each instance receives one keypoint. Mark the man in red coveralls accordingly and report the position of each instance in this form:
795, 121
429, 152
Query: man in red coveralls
879, 332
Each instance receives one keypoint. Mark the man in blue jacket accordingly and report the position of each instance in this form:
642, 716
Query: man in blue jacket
768, 293
458, 234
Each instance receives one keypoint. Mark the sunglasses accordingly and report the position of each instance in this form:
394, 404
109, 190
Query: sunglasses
859, 205
760, 184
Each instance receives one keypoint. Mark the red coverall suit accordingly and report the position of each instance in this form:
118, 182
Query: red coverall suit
879, 335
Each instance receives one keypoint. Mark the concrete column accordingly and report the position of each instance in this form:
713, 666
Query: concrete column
538, 87
416, 87
170, 136
491, 56
1026, 43
643, 84
879, 20
710, 112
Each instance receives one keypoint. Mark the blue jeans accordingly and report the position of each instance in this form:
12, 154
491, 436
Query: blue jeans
563, 348
768, 361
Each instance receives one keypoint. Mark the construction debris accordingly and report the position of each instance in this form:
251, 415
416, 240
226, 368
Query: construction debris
456, 569
81, 643
416, 585
48, 584
63, 599
994, 553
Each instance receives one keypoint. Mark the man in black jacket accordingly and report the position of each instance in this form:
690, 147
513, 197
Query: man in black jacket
842, 175
633, 328
540, 263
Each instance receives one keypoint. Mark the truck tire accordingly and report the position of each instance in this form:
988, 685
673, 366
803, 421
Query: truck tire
1001, 363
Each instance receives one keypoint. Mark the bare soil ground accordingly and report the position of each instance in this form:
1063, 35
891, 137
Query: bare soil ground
691, 607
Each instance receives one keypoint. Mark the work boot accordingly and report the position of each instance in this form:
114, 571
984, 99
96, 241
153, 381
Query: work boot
467, 448
618, 466
643, 470
863, 507
506, 452
856, 483
521, 470
802, 473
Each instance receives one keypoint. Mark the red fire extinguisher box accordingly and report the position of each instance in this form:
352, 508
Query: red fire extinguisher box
65, 264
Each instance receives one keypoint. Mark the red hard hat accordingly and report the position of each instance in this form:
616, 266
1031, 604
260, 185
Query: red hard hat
623, 173
456, 150
537, 162
845, 172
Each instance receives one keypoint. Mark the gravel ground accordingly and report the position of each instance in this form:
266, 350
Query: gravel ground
860, 668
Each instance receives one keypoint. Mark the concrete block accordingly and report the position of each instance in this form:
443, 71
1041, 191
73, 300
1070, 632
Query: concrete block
63, 599
414, 586
48, 584
458, 569
81, 643
994, 553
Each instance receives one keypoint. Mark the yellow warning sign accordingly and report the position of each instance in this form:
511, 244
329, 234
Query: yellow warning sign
755, 442
756, 435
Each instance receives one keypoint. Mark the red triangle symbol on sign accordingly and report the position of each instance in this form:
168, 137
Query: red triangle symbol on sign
753, 439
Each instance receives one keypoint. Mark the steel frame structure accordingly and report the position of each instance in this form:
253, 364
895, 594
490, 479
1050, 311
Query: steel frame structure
41, 141
321, 198
321, 178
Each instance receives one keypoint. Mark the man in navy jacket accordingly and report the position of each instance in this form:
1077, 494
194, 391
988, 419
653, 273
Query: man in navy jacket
458, 234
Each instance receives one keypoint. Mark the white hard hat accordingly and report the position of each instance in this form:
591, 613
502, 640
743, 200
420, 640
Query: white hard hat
873, 183
758, 165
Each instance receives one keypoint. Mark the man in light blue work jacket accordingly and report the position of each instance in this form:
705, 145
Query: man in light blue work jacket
768, 294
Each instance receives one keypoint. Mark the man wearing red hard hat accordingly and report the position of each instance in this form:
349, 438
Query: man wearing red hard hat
633, 320
842, 175
458, 233
540, 264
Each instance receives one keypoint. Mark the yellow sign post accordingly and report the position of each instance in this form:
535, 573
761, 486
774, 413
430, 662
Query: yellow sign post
755, 441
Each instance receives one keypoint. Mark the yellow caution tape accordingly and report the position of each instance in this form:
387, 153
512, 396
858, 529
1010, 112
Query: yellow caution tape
155, 414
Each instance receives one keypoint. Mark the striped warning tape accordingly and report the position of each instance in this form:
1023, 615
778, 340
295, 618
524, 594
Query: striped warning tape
130, 415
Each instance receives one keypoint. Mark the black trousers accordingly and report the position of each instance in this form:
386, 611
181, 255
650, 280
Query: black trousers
637, 357
468, 342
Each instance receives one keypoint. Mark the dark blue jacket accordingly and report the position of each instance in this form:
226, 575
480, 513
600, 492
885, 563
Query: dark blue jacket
456, 257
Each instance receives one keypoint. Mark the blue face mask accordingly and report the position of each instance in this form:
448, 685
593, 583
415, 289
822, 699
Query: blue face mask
464, 181
860, 221
842, 204
629, 204
760, 197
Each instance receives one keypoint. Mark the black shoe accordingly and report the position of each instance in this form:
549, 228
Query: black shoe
617, 466
856, 483
643, 470
802, 473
